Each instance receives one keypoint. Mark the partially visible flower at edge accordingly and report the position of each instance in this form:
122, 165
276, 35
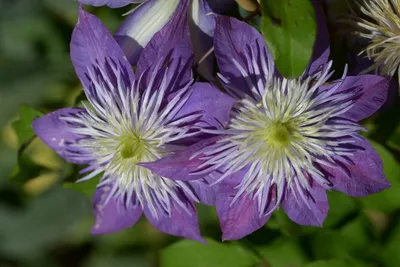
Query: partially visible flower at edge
288, 141
379, 23
135, 119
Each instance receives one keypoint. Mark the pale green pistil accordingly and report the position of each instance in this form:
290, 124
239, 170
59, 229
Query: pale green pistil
277, 134
132, 147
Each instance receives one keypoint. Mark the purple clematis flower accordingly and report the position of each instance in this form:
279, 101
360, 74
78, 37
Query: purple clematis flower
148, 18
134, 118
287, 140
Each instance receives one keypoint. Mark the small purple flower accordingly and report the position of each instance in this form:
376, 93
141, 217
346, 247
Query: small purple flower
135, 118
287, 140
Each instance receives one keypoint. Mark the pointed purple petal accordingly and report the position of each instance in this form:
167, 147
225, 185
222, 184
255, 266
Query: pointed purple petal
180, 223
213, 104
243, 217
92, 43
312, 213
179, 166
112, 216
202, 26
203, 191
233, 40
373, 94
110, 3
173, 36
363, 176
141, 25
53, 131
321, 49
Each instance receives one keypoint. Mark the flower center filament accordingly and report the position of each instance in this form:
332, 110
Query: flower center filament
380, 24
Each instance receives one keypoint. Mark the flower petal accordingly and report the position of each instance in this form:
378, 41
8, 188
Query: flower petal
243, 217
237, 43
202, 26
321, 49
213, 104
91, 44
110, 3
179, 166
180, 223
113, 216
374, 92
203, 191
313, 212
363, 176
172, 42
53, 131
141, 25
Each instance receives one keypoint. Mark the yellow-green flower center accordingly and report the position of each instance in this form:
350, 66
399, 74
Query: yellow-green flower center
278, 134
132, 147
275, 135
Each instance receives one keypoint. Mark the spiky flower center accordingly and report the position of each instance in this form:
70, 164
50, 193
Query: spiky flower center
380, 24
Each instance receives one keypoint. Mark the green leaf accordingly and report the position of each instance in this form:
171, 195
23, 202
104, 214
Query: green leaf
394, 140
289, 29
101, 260
353, 239
338, 263
23, 126
390, 253
389, 199
213, 254
25, 170
341, 208
86, 187
283, 252
42, 223
254, 21
280, 221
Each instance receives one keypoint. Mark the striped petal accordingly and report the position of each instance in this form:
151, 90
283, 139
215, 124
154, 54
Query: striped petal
141, 25
110, 3
172, 41
242, 217
313, 212
243, 59
91, 44
362, 175
112, 215
53, 131
181, 222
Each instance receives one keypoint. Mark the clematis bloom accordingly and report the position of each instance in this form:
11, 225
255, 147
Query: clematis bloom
379, 25
134, 118
287, 140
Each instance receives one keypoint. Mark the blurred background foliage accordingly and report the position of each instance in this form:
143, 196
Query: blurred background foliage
45, 218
